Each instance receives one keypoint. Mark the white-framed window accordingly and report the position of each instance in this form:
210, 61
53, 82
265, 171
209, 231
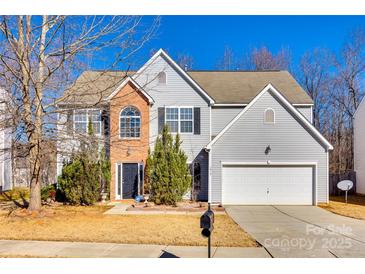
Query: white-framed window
82, 118
161, 77
269, 116
172, 118
179, 119
130, 123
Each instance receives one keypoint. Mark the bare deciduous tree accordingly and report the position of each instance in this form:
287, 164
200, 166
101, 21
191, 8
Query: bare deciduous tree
185, 61
347, 93
336, 86
263, 59
316, 77
41, 55
227, 62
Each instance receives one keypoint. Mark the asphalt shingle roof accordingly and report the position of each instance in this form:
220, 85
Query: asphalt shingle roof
240, 87
233, 87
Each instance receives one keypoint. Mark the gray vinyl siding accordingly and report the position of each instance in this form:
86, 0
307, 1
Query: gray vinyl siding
248, 137
65, 143
177, 92
5, 146
68, 142
5, 160
221, 116
306, 111
359, 149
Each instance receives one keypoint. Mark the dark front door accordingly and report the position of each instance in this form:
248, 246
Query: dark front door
130, 180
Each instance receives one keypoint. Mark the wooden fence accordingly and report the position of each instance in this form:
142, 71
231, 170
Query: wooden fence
335, 178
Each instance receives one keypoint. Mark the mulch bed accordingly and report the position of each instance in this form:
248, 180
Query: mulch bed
181, 206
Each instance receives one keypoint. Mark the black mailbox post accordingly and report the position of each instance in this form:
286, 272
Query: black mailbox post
206, 223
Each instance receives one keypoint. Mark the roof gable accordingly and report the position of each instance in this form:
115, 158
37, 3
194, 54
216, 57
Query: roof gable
287, 105
216, 87
185, 75
135, 84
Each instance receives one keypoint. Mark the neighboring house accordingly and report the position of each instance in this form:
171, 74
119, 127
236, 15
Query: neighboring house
248, 135
21, 165
359, 147
5, 146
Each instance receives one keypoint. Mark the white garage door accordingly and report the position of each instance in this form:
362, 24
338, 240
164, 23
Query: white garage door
256, 185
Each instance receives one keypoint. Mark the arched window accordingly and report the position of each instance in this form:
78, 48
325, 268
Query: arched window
161, 77
269, 116
130, 123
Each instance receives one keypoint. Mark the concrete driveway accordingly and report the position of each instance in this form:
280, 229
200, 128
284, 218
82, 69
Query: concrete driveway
301, 231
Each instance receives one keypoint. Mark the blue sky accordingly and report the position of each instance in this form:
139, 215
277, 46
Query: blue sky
204, 37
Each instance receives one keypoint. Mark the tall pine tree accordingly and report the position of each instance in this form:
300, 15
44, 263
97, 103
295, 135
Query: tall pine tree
168, 172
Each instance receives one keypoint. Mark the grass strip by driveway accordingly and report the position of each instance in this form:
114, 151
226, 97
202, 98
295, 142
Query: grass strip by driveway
355, 207
88, 224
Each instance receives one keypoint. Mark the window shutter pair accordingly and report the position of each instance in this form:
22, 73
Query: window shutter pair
161, 120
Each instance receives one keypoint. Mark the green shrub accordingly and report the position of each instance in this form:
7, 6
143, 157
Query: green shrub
79, 181
168, 173
86, 175
48, 192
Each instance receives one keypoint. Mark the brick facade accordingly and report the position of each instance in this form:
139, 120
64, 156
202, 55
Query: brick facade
124, 150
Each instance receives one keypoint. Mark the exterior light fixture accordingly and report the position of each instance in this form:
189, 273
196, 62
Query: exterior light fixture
267, 150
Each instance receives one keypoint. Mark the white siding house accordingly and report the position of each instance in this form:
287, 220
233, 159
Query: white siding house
5, 146
359, 147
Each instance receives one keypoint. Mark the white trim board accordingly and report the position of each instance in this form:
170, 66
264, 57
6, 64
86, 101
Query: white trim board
271, 163
296, 113
161, 52
361, 102
229, 105
303, 105
125, 82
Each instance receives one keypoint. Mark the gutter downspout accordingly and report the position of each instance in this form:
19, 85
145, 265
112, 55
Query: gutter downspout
209, 175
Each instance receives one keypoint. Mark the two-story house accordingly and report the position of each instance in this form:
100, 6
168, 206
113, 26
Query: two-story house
248, 135
5, 145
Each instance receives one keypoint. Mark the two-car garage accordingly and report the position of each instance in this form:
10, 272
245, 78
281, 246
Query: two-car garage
258, 161
265, 184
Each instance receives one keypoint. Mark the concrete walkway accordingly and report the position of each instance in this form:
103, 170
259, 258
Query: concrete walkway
302, 231
110, 250
117, 209
121, 209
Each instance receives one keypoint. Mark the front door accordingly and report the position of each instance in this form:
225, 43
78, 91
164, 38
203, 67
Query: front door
130, 180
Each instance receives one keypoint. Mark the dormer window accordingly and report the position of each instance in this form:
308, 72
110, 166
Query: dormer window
161, 77
269, 116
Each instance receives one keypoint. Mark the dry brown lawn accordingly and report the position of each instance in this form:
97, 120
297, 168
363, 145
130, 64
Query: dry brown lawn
355, 208
88, 224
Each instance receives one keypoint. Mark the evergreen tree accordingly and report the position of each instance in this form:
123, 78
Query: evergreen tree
87, 174
167, 170
147, 171
90, 128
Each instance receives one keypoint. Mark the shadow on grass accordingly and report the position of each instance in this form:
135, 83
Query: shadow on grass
19, 201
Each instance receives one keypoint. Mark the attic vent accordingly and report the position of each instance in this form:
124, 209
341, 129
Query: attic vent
269, 116
161, 77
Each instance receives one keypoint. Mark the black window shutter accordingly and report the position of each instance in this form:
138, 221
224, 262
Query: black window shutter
161, 119
105, 122
70, 122
196, 121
